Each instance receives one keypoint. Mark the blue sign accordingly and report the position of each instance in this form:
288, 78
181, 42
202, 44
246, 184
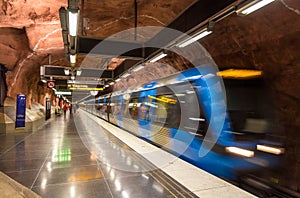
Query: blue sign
20, 111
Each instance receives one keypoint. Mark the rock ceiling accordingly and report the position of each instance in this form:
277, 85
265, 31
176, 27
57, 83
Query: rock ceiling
30, 29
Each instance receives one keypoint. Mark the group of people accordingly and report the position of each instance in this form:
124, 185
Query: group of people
63, 107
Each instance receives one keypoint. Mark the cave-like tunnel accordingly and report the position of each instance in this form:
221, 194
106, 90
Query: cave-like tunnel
110, 55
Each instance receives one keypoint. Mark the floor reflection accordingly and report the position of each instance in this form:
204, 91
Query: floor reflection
55, 162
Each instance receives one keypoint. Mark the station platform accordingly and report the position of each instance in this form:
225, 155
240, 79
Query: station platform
80, 155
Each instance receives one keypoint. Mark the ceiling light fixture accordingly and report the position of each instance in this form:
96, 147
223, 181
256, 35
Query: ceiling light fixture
78, 72
138, 68
73, 23
206, 30
125, 75
67, 71
157, 57
251, 6
72, 58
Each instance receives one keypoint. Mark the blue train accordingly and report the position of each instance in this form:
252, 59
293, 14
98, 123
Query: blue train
190, 115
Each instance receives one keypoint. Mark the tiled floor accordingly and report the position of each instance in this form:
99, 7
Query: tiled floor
54, 162
192, 178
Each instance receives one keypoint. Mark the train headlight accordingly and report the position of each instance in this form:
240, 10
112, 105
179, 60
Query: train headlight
240, 151
269, 149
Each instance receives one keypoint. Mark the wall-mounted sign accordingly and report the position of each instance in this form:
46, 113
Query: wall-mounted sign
84, 87
77, 86
20, 111
50, 84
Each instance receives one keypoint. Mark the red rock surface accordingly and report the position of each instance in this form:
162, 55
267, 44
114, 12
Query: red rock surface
30, 30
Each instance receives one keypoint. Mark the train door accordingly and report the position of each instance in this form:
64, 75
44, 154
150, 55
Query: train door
104, 109
119, 110
113, 109
145, 112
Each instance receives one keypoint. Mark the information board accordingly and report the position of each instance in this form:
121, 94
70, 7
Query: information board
20, 111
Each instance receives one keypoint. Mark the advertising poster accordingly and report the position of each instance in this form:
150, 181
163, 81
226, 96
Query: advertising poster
48, 108
20, 111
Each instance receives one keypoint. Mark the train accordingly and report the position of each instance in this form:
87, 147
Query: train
221, 124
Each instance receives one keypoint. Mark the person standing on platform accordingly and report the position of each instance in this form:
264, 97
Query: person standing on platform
65, 109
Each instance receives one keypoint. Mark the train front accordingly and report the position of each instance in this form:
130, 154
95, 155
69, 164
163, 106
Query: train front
241, 140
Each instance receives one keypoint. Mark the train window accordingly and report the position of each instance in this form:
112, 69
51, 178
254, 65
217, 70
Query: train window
113, 109
160, 107
248, 107
193, 117
132, 107
177, 106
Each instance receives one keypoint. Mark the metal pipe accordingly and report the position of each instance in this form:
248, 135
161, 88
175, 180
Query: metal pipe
135, 20
81, 17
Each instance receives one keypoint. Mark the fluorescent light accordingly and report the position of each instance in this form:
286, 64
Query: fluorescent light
195, 37
138, 68
66, 93
239, 151
85, 82
73, 59
73, 23
126, 75
118, 80
197, 119
67, 71
269, 149
86, 88
78, 72
198, 34
157, 57
251, 7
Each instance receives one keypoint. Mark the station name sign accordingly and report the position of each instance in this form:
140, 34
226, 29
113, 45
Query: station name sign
79, 87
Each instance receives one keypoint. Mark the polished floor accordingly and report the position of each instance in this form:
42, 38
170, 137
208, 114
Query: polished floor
54, 162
